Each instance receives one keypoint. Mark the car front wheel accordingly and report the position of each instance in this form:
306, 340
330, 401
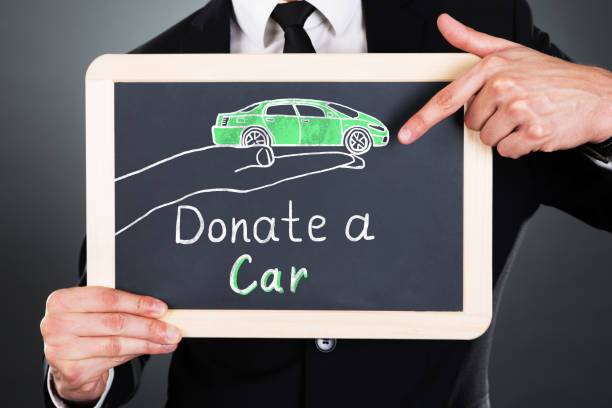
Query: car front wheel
357, 141
255, 136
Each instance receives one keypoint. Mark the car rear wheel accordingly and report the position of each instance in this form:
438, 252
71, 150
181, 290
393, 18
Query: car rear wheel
357, 141
255, 136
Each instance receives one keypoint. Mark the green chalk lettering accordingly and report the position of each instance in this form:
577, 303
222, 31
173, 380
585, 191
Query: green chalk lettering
268, 285
234, 276
296, 276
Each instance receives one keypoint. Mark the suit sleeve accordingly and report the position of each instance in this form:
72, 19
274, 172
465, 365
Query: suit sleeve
572, 180
526, 33
126, 376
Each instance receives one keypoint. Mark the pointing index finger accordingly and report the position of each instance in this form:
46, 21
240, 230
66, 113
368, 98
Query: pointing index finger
443, 104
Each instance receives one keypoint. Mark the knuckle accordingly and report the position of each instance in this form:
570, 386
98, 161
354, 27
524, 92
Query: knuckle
115, 322
112, 347
486, 141
51, 352
486, 136
54, 300
149, 348
109, 298
55, 329
71, 373
444, 99
155, 330
503, 150
62, 387
517, 108
535, 132
144, 304
508, 150
470, 120
50, 327
500, 85
151, 329
48, 352
45, 329
89, 387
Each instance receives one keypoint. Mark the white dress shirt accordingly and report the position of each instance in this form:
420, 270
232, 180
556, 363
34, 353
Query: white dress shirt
57, 401
335, 26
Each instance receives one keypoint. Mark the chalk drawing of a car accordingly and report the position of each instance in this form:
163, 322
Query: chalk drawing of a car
300, 122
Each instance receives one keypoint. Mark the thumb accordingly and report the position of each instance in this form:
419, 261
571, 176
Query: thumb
469, 40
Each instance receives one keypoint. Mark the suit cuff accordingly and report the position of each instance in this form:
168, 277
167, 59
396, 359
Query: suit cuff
600, 153
58, 402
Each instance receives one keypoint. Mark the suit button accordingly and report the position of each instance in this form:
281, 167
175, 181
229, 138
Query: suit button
326, 345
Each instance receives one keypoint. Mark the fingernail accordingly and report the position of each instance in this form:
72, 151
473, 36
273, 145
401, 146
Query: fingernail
404, 135
173, 335
159, 308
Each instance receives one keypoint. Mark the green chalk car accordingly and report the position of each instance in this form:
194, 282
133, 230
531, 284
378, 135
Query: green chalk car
300, 122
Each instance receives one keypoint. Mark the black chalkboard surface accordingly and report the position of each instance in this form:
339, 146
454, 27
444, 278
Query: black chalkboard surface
286, 196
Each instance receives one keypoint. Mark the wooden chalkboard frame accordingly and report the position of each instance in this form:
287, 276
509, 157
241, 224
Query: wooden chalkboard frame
108, 70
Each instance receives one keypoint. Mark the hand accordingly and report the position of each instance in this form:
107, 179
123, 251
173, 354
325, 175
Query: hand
88, 330
520, 100
217, 168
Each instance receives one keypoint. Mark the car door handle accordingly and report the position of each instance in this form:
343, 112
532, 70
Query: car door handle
305, 120
269, 119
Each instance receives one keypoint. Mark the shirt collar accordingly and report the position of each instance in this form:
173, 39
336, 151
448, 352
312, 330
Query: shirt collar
252, 15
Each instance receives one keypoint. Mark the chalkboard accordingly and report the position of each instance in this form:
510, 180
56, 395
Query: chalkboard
285, 207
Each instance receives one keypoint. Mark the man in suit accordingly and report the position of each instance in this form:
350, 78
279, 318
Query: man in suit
549, 120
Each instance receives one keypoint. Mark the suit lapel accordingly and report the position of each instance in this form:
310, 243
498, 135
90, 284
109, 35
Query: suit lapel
393, 26
209, 30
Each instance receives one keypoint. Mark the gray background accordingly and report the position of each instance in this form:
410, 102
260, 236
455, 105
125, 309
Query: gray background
552, 342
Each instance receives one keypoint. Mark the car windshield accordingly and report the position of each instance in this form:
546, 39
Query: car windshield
249, 108
343, 109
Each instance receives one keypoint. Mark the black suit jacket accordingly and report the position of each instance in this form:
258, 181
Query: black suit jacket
293, 373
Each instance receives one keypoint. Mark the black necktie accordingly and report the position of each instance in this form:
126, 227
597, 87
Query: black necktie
291, 17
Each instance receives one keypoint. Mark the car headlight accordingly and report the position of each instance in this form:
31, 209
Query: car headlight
377, 127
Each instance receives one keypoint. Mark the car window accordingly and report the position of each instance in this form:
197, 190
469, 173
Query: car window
344, 109
281, 110
249, 108
307, 110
